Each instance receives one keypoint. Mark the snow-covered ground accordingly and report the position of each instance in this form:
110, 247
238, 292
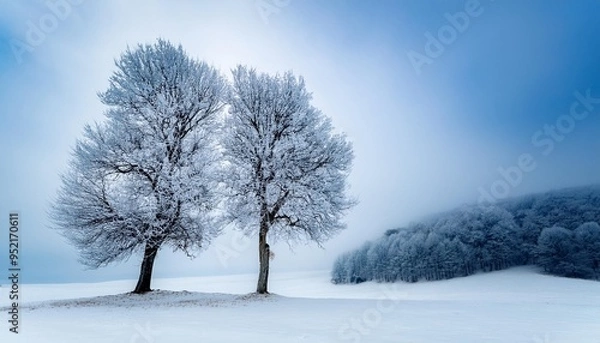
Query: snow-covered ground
517, 305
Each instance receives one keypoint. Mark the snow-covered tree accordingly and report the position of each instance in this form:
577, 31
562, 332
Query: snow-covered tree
587, 250
286, 169
143, 179
555, 251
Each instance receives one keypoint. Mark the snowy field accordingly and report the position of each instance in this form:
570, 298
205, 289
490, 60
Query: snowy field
516, 305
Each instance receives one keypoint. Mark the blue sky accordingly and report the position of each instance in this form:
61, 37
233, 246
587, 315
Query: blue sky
424, 142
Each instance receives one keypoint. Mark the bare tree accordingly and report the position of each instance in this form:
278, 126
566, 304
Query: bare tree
144, 178
286, 169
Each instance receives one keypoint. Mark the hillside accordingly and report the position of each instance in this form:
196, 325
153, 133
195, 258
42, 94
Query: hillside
556, 230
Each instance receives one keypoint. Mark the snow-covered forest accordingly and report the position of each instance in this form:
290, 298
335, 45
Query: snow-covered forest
557, 230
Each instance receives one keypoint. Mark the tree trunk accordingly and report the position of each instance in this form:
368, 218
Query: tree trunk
264, 254
143, 284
